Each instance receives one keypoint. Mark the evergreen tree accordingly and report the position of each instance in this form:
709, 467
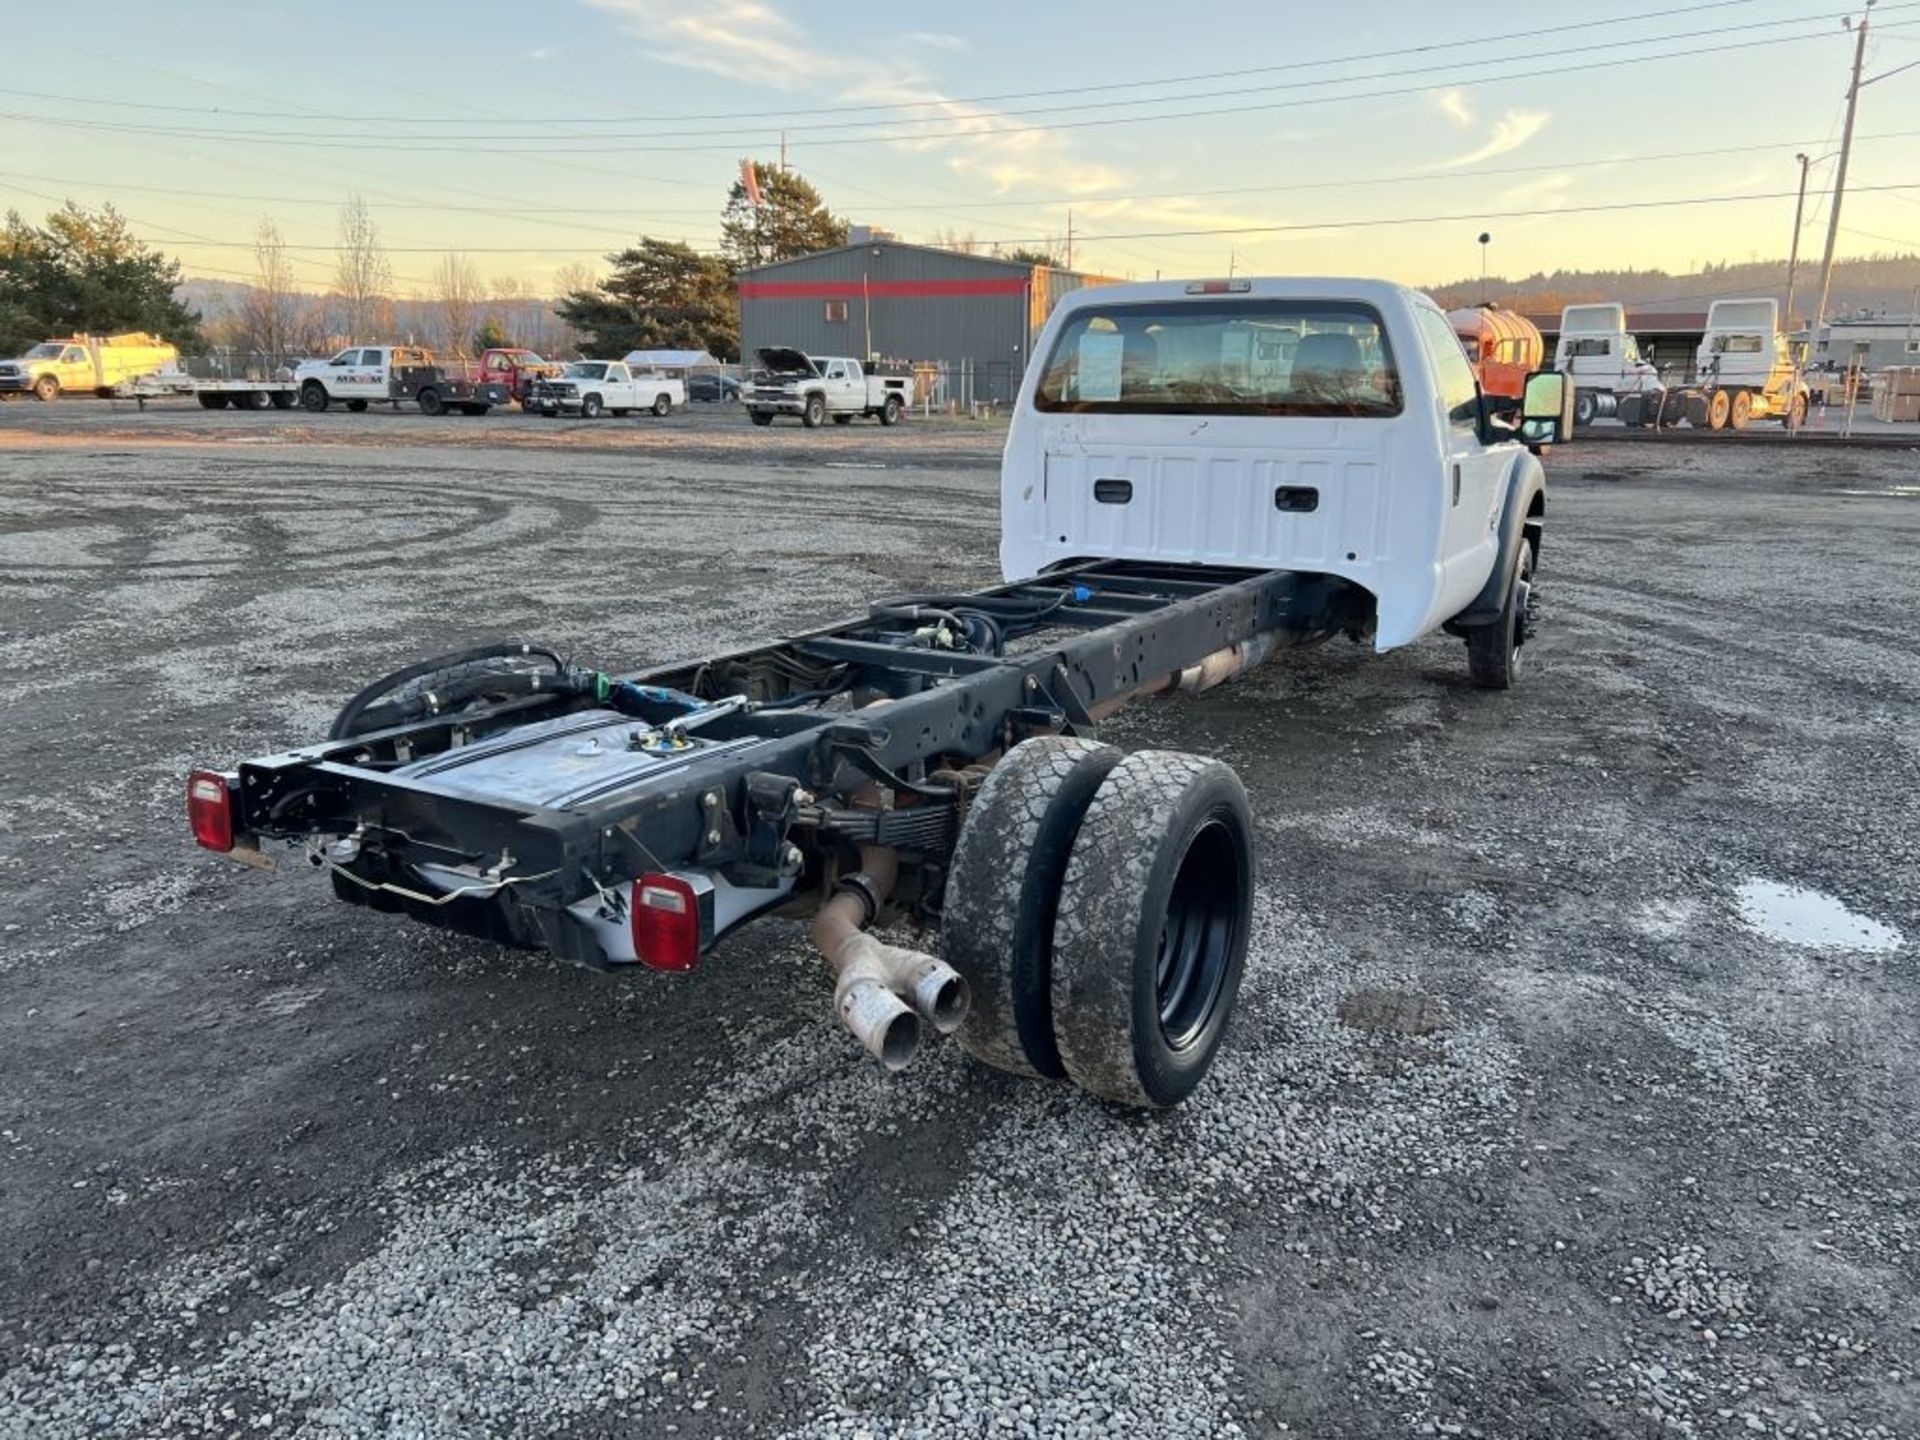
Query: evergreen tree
85, 271
791, 220
661, 295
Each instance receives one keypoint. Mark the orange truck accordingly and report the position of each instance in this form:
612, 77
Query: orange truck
1504, 346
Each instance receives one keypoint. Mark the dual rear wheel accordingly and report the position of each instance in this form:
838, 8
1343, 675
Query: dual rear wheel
1099, 906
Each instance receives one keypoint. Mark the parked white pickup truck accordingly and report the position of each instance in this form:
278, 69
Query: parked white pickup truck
588, 387
1332, 429
815, 387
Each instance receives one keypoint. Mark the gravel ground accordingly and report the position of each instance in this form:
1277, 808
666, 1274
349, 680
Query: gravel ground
1532, 1123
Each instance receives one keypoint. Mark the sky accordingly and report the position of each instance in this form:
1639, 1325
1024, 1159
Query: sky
1212, 137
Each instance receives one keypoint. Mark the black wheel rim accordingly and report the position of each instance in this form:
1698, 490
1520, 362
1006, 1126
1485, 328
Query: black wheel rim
1197, 936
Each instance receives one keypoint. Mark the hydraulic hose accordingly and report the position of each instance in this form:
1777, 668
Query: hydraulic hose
347, 723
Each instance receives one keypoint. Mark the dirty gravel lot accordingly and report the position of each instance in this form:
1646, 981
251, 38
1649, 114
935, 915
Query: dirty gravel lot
1523, 1130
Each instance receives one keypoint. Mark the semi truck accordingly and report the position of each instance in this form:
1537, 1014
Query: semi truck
1602, 359
937, 758
816, 388
1743, 371
97, 364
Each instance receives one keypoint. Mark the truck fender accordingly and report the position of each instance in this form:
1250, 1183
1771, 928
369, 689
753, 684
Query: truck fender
1522, 519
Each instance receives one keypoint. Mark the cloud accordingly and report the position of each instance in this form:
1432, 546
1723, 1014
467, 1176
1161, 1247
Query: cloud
1453, 105
753, 43
544, 52
1510, 132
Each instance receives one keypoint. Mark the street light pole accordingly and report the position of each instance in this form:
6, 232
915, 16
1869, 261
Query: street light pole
1485, 239
1793, 253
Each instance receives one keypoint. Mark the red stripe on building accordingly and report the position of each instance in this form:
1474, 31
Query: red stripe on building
852, 289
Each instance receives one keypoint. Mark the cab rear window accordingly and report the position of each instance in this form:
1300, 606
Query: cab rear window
1222, 357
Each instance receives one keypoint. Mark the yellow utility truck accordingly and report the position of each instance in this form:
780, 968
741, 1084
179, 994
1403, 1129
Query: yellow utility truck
99, 363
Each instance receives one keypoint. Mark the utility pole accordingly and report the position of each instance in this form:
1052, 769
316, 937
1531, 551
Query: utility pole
783, 152
1069, 239
1840, 180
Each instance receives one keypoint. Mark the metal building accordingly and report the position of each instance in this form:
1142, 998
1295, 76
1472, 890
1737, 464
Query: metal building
965, 322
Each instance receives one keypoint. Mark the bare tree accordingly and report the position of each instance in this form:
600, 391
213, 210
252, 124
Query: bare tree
363, 276
269, 311
457, 293
573, 278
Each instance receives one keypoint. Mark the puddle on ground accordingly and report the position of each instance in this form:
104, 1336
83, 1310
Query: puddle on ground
1795, 915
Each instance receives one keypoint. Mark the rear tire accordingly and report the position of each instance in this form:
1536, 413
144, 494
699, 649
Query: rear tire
815, 414
1719, 410
663, 404
891, 411
282, 399
313, 397
1151, 937
1493, 651
1584, 408
211, 400
1003, 889
1742, 410
359, 407
430, 402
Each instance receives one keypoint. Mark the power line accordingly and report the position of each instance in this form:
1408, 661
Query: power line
1398, 178
984, 130
789, 115
1229, 230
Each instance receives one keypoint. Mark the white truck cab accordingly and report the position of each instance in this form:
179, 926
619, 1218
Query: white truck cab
1744, 368
1327, 427
816, 387
1603, 359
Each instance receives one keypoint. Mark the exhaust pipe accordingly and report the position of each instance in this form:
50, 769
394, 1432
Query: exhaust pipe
1223, 665
883, 992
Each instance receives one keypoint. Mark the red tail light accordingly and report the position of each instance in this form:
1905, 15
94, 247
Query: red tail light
666, 922
210, 809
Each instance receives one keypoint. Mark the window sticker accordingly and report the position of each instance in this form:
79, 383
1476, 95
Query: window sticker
1099, 364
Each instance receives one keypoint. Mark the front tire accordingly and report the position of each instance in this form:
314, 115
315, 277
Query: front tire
1493, 651
46, 389
1584, 408
590, 408
1003, 892
1151, 937
816, 412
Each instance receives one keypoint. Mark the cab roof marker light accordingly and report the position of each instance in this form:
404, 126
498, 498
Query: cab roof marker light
1219, 287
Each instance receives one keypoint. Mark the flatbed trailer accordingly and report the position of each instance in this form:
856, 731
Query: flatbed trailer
632, 820
241, 394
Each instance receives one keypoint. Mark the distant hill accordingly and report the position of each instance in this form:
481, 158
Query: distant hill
1877, 286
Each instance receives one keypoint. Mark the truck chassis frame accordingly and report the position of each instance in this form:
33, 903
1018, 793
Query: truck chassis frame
780, 787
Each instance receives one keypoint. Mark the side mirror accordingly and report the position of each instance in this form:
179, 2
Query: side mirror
1546, 408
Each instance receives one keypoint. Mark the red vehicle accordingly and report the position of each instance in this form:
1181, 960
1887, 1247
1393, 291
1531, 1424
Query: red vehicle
515, 368
1504, 347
